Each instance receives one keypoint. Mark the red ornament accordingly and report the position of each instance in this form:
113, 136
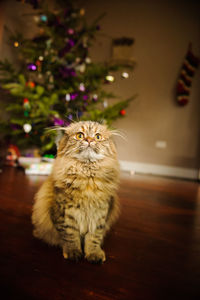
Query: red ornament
26, 100
30, 84
122, 112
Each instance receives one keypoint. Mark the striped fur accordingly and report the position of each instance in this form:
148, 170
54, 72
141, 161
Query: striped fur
77, 204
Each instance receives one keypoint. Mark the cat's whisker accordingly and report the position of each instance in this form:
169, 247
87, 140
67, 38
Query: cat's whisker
55, 128
120, 134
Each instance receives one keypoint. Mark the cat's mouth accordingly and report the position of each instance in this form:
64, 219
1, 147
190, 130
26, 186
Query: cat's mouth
89, 153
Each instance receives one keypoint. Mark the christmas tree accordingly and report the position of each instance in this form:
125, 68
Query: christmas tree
55, 82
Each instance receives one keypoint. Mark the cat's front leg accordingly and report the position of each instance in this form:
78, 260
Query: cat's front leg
67, 228
93, 241
71, 242
72, 247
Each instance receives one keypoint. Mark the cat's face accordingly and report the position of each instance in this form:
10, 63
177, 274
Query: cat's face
87, 141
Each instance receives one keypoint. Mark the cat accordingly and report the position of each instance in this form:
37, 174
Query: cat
77, 204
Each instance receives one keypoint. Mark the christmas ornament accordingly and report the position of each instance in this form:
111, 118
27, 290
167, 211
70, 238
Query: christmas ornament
81, 68
26, 100
71, 43
16, 44
188, 69
125, 75
67, 97
31, 67
88, 60
66, 72
95, 97
58, 122
85, 97
70, 31
41, 58
30, 84
26, 104
77, 60
27, 127
67, 48
26, 113
122, 112
110, 78
105, 104
43, 18
73, 96
36, 19
82, 87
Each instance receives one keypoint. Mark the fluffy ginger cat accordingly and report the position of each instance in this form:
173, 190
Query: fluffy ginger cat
77, 204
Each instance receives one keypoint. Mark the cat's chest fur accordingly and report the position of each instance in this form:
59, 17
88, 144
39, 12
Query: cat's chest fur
86, 194
87, 216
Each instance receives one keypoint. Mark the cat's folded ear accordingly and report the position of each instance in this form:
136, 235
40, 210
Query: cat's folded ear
62, 143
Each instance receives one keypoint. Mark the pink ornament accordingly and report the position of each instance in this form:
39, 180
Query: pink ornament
70, 31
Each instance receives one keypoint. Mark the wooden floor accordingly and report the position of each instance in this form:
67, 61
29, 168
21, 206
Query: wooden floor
153, 251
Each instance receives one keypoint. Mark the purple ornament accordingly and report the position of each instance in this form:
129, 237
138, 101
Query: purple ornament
58, 122
67, 72
71, 43
70, 117
31, 67
73, 96
67, 48
85, 97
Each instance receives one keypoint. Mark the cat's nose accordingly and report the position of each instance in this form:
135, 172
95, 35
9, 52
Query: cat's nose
89, 139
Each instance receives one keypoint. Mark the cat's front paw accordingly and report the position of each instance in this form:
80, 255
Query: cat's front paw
73, 254
96, 257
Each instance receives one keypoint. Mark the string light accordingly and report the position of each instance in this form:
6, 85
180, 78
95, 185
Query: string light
16, 44
82, 11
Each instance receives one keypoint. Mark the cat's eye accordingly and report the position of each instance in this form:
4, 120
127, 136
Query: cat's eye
97, 136
80, 136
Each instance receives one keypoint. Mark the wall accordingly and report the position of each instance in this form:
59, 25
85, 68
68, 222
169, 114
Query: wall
162, 31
